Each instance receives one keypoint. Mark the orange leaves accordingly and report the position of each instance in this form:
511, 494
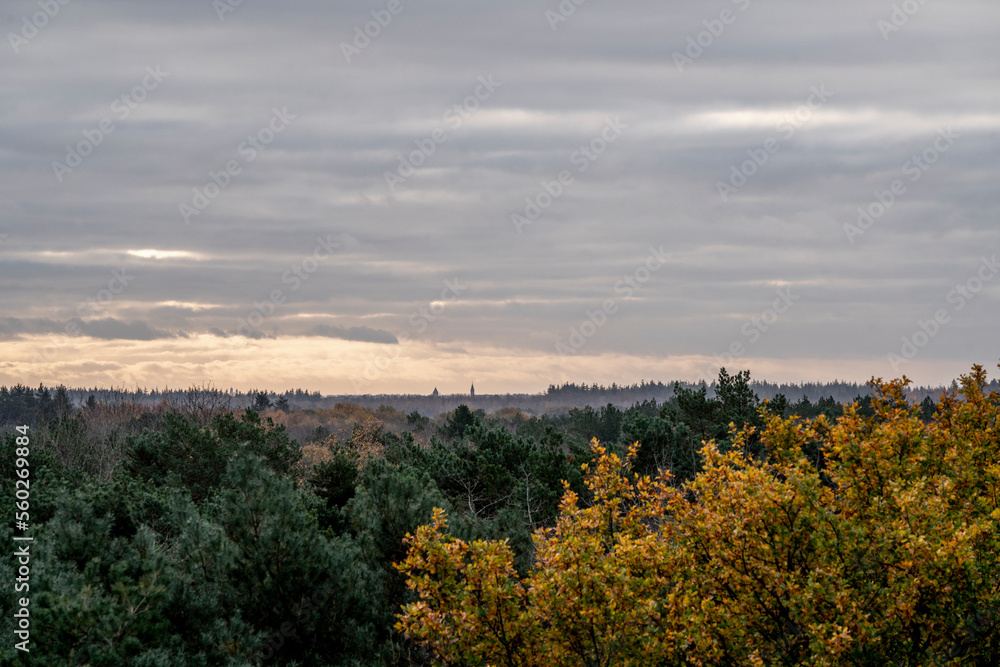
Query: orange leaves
470, 598
871, 540
592, 596
600, 571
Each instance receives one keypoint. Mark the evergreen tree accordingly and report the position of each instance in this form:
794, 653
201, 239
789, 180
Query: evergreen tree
461, 419
261, 401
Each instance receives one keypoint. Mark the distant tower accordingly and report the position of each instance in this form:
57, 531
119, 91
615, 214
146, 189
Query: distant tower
472, 392
435, 392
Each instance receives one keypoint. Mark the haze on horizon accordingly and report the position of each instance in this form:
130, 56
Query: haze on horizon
514, 194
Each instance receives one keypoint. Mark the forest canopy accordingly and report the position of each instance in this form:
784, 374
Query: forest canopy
707, 528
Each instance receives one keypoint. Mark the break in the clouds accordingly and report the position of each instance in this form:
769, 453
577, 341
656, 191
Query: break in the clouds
521, 191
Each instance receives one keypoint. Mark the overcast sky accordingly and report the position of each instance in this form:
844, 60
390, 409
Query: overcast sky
512, 193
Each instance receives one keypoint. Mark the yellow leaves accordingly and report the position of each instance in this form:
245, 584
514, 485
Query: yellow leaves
593, 592
470, 598
752, 561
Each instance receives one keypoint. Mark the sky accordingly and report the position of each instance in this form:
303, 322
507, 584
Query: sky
392, 196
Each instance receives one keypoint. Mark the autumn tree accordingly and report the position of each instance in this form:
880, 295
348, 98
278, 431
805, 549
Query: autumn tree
870, 541
591, 599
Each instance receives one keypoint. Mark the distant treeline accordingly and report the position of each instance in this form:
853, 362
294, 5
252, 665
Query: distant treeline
838, 390
23, 404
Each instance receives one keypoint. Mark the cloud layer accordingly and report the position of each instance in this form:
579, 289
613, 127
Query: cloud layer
473, 177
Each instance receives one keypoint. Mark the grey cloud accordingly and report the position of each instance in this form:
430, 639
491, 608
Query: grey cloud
325, 174
111, 329
105, 329
363, 334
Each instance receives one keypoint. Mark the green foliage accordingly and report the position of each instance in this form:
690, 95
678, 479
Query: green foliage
47, 476
271, 560
459, 422
18, 405
604, 424
186, 456
417, 422
927, 409
666, 445
777, 406
391, 501
261, 401
97, 597
334, 483
699, 413
737, 402
827, 407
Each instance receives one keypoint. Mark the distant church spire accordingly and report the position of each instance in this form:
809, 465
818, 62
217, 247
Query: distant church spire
472, 392
435, 392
